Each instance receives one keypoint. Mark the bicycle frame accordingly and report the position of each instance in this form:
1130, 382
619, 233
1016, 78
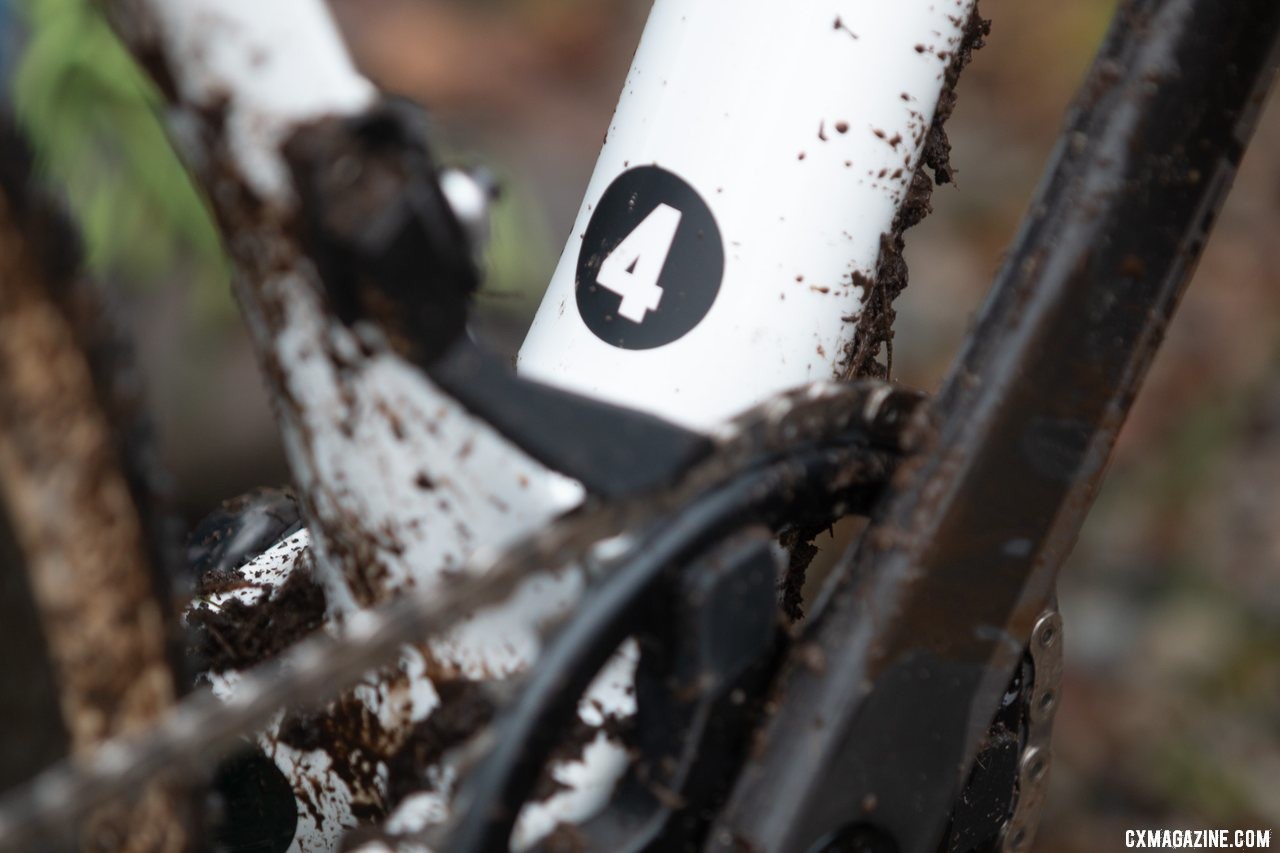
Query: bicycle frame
964, 547
786, 171
856, 151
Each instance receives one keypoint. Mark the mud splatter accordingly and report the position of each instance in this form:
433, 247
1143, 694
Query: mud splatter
236, 635
465, 708
799, 542
874, 330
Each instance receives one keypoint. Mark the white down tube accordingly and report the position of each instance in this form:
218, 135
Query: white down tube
758, 152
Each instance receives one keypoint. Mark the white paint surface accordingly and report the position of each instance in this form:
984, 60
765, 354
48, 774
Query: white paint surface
389, 452
275, 65
403, 484
733, 96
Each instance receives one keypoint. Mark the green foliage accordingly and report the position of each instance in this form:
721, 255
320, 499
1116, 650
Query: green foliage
93, 120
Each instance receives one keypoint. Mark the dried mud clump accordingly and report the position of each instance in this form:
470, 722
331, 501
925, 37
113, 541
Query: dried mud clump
353, 738
236, 635
464, 709
874, 330
799, 542
382, 765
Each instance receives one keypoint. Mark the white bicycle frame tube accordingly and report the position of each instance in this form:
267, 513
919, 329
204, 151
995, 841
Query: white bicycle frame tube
385, 460
800, 126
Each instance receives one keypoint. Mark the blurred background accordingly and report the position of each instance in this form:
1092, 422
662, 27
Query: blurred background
1171, 705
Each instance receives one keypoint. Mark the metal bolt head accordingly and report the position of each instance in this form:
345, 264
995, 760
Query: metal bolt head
1048, 630
1035, 763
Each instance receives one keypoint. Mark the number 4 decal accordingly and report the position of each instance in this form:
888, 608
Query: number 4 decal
651, 261
632, 269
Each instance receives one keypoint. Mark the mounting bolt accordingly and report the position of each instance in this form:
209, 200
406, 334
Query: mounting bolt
1047, 629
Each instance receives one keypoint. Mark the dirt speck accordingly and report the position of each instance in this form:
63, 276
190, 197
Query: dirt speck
841, 25
1131, 266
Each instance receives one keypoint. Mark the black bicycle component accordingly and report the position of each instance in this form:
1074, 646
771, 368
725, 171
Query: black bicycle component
376, 218
940, 599
254, 807
857, 838
703, 653
981, 812
488, 803
613, 451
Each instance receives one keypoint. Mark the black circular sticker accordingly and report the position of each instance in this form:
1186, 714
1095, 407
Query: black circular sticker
651, 261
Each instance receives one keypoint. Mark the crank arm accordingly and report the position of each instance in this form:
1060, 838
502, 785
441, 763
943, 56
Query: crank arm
958, 566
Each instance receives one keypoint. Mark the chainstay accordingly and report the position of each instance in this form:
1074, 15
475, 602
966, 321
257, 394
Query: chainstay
868, 422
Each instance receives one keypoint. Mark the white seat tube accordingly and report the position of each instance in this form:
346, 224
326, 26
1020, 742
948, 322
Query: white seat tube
733, 222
